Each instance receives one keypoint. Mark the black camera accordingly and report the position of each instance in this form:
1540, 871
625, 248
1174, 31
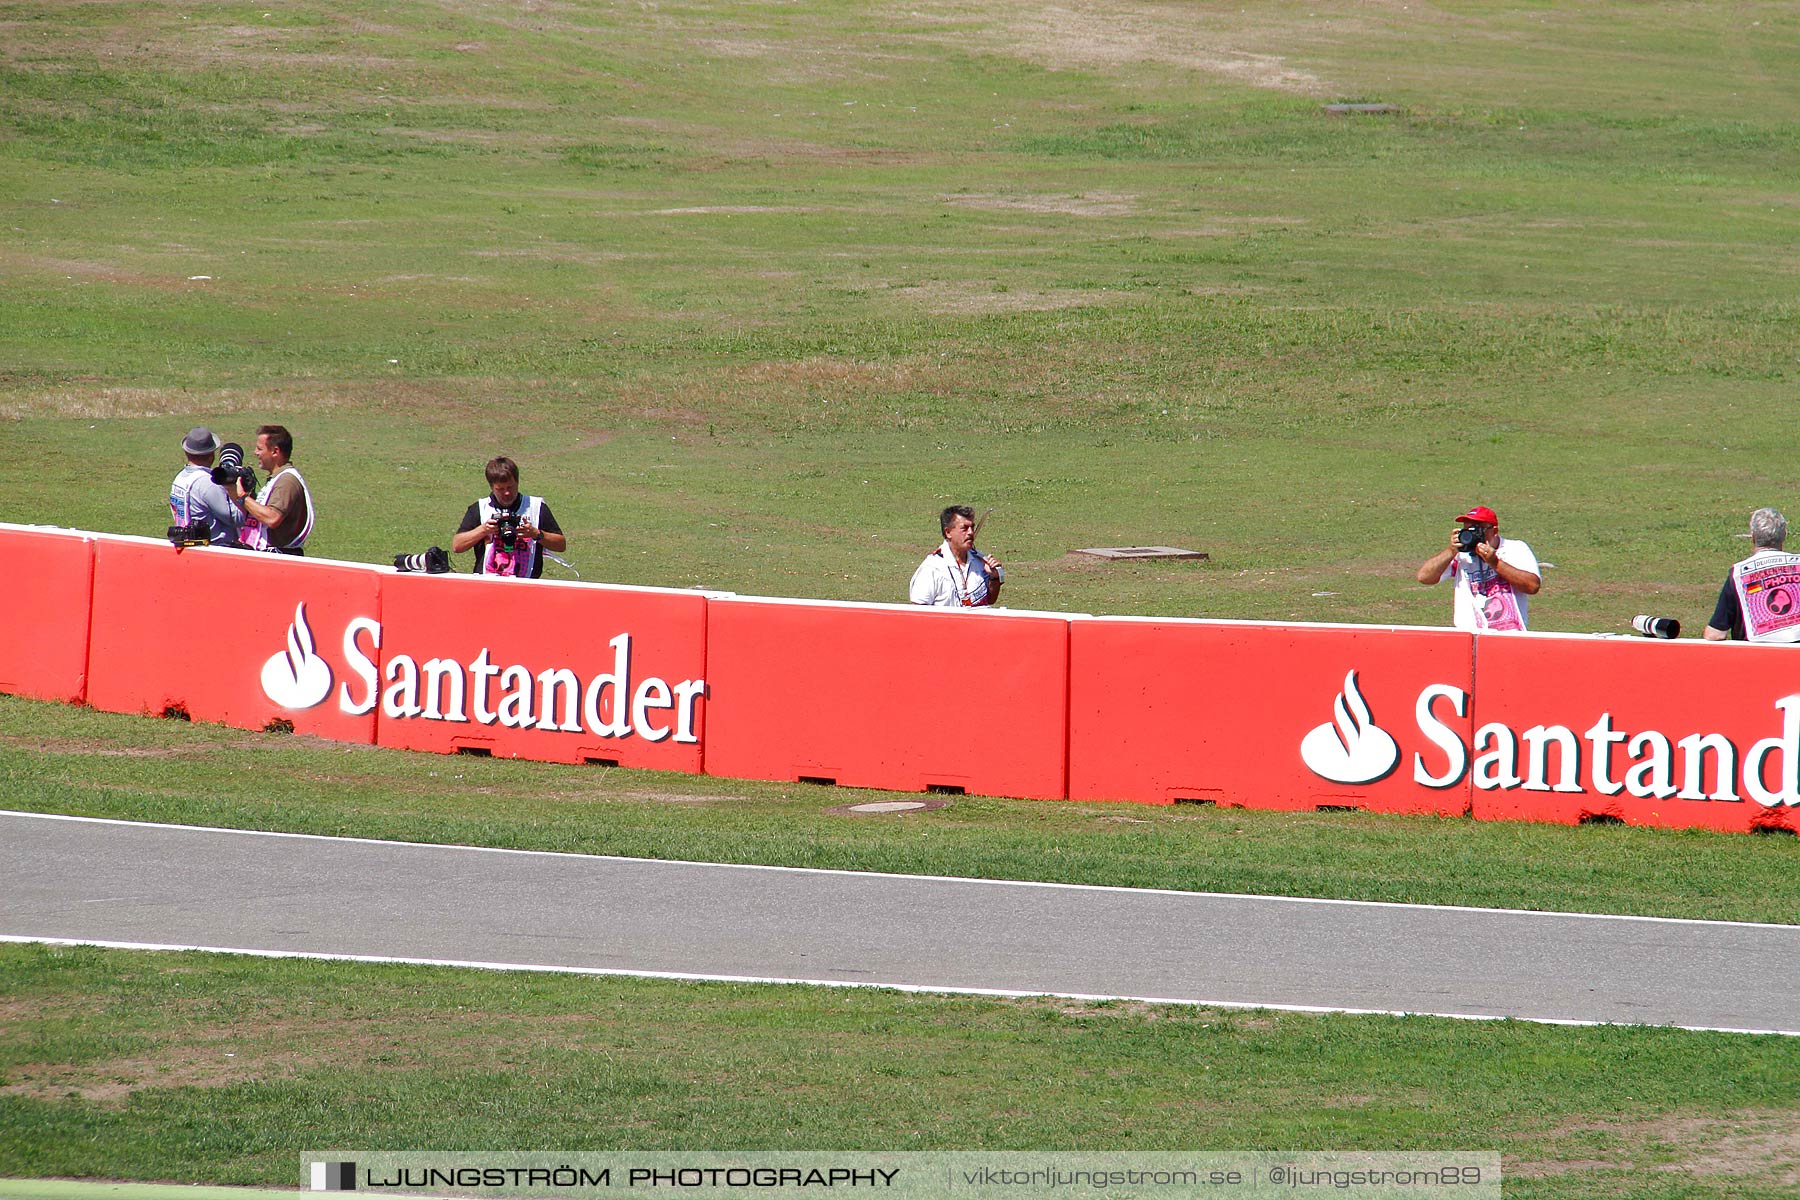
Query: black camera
506, 530
231, 468
433, 562
194, 533
1469, 537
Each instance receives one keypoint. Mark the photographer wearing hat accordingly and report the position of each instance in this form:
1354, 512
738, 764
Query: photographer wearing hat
508, 530
280, 515
1760, 601
194, 496
1493, 575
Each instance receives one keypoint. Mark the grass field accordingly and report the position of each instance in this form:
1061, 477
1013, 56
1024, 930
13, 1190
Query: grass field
192, 1065
753, 289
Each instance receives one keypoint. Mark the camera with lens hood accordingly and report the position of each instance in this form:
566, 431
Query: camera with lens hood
231, 468
432, 562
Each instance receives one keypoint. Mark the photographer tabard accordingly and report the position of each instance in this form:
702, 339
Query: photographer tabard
508, 530
1493, 576
279, 516
1760, 600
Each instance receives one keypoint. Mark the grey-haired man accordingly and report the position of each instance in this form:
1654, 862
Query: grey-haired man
1760, 601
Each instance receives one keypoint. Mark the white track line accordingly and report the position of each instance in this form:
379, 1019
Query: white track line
1242, 897
924, 988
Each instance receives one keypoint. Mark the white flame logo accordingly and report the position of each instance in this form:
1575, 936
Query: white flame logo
1353, 749
297, 677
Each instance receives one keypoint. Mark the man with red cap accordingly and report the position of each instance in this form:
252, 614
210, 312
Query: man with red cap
1493, 576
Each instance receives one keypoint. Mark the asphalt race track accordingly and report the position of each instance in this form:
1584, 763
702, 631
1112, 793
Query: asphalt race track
162, 886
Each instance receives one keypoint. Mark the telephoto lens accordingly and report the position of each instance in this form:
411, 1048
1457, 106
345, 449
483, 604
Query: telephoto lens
231, 463
433, 561
1666, 628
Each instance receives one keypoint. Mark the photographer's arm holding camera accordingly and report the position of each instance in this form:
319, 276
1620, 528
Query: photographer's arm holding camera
468, 539
280, 515
1432, 570
1487, 550
1525, 582
1493, 576
548, 538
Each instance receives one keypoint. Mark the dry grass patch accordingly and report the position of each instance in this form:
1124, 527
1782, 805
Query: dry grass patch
110, 1084
94, 401
663, 797
702, 209
1119, 36
974, 298
822, 371
94, 271
1759, 1146
209, 1051
559, 252
1086, 204
1222, 226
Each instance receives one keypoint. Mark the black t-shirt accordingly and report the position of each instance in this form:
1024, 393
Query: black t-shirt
546, 522
1728, 613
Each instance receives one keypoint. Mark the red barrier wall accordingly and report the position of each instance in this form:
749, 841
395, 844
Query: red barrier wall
45, 612
226, 635
1232, 713
553, 671
888, 696
1571, 727
1562, 728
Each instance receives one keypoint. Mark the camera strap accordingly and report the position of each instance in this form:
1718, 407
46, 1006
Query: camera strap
523, 562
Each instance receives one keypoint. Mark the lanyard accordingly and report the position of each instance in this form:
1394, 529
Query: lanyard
964, 592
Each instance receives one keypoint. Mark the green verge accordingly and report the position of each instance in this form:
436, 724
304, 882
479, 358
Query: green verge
60, 759
176, 1066
83, 1189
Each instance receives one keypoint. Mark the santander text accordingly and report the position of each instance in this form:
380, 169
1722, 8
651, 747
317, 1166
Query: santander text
1646, 764
555, 699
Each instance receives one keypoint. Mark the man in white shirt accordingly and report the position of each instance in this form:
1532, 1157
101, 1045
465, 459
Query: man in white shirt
1494, 576
956, 575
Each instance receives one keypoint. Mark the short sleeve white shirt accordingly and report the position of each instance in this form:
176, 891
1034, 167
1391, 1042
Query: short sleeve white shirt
1483, 600
942, 582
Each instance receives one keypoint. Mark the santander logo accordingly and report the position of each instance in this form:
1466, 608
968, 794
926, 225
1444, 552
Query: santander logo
1351, 748
1603, 760
608, 697
297, 677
